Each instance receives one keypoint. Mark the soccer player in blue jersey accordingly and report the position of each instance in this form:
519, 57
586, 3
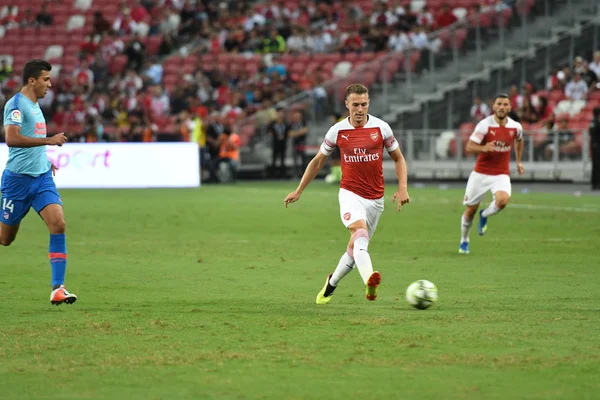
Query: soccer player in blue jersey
27, 180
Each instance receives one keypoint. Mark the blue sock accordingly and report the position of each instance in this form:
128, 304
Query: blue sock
58, 258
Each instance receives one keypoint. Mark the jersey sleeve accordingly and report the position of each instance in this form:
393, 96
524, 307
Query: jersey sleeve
389, 141
479, 132
12, 114
330, 141
519, 131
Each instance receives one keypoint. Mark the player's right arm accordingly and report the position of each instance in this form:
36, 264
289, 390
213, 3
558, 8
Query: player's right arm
314, 166
474, 145
15, 139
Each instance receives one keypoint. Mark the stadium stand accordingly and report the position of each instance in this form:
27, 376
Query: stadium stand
105, 66
143, 70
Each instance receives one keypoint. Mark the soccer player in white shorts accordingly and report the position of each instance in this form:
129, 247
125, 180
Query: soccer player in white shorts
360, 138
492, 141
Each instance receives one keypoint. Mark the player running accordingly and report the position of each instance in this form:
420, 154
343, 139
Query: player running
492, 141
360, 139
27, 180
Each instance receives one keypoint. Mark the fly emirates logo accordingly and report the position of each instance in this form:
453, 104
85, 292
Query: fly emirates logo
501, 147
361, 155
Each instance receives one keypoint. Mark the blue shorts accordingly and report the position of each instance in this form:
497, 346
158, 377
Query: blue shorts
21, 192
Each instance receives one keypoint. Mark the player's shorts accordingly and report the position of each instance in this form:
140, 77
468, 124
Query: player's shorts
21, 192
479, 184
354, 208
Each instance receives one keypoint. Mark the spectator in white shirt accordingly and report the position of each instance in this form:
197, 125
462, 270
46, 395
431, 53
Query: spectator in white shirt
419, 38
425, 17
399, 41
577, 88
595, 65
479, 110
397, 8
321, 41
159, 105
527, 92
299, 41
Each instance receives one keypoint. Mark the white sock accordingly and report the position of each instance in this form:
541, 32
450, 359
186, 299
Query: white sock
465, 227
344, 267
491, 210
362, 258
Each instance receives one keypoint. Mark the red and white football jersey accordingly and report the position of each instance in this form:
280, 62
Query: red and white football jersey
361, 153
488, 130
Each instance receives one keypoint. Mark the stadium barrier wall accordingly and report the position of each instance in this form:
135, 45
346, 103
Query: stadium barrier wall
123, 165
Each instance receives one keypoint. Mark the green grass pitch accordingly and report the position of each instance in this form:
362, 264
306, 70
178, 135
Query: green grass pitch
209, 294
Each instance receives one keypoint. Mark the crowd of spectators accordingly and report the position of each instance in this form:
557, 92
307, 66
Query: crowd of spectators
117, 90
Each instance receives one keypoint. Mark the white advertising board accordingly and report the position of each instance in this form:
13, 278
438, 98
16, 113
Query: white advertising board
122, 165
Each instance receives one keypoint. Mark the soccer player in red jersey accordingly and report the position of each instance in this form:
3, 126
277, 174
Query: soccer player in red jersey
360, 138
492, 141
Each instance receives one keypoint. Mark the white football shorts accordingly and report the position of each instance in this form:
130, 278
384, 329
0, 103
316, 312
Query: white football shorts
478, 184
354, 208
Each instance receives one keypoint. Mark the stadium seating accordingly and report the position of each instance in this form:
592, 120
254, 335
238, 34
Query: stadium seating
61, 42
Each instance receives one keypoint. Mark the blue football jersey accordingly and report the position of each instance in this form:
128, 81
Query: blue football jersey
21, 111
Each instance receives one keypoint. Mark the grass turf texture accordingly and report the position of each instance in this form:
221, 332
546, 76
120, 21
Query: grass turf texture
209, 293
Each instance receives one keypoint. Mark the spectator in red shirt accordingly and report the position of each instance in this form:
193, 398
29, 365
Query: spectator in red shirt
139, 12
28, 19
352, 43
446, 17
545, 110
87, 47
513, 95
60, 117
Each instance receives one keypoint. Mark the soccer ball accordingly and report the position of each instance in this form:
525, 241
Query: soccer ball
422, 294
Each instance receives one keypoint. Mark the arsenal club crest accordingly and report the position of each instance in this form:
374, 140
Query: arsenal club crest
374, 136
512, 134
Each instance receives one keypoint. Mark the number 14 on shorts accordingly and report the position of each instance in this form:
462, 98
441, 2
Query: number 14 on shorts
8, 205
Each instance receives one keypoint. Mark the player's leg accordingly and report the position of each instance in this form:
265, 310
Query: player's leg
374, 211
8, 233
501, 188
349, 206
53, 216
344, 267
362, 222
474, 192
48, 205
15, 203
359, 241
353, 213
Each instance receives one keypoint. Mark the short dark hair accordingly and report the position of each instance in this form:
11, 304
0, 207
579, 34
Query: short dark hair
33, 69
501, 96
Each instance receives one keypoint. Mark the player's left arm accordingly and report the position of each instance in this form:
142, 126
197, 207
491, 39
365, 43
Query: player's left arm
400, 167
519, 146
402, 174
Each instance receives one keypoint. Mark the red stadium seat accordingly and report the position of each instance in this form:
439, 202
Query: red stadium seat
117, 64
594, 95
556, 95
153, 45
